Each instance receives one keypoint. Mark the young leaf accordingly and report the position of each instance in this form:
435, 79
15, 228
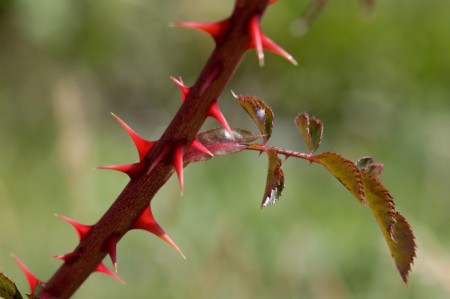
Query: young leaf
274, 182
396, 230
367, 165
220, 142
8, 289
261, 114
345, 171
311, 128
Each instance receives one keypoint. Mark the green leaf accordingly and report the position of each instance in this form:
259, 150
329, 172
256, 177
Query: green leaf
311, 128
345, 171
274, 182
396, 230
221, 143
8, 289
261, 114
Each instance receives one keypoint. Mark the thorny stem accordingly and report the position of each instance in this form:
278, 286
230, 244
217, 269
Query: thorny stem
183, 128
287, 153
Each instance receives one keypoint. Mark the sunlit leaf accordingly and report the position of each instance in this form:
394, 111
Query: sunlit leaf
221, 143
345, 171
396, 230
311, 128
261, 114
274, 182
8, 289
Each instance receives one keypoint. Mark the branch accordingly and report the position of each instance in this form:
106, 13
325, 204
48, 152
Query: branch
183, 129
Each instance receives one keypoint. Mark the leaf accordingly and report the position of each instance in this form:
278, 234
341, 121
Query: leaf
8, 289
396, 230
261, 114
311, 128
221, 143
367, 165
345, 171
274, 182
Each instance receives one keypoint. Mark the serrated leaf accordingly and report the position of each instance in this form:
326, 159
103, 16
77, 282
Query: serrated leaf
396, 230
312, 130
8, 289
274, 181
345, 171
221, 143
261, 114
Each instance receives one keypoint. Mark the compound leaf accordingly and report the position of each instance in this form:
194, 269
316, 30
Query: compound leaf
8, 289
274, 182
261, 114
312, 130
396, 230
345, 171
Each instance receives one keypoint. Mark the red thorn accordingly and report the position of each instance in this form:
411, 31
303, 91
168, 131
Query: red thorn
214, 111
196, 144
103, 269
111, 247
132, 170
143, 146
214, 29
183, 88
146, 221
177, 161
31, 278
68, 257
269, 45
260, 41
256, 42
81, 229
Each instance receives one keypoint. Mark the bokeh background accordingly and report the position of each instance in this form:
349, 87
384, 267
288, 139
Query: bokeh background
380, 82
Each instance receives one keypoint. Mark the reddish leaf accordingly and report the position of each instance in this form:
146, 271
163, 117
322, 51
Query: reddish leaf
261, 114
345, 171
396, 230
311, 128
275, 180
220, 142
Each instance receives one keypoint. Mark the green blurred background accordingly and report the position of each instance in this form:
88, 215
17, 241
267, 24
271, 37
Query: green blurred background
380, 82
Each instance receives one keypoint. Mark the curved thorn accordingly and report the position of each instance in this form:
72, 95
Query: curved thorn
143, 146
68, 257
82, 230
269, 45
31, 278
132, 170
196, 144
177, 161
183, 88
256, 38
214, 29
111, 247
214, 111
103, 269
146, 221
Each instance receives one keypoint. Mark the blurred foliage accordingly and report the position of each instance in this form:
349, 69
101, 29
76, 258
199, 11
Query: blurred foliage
378, 81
